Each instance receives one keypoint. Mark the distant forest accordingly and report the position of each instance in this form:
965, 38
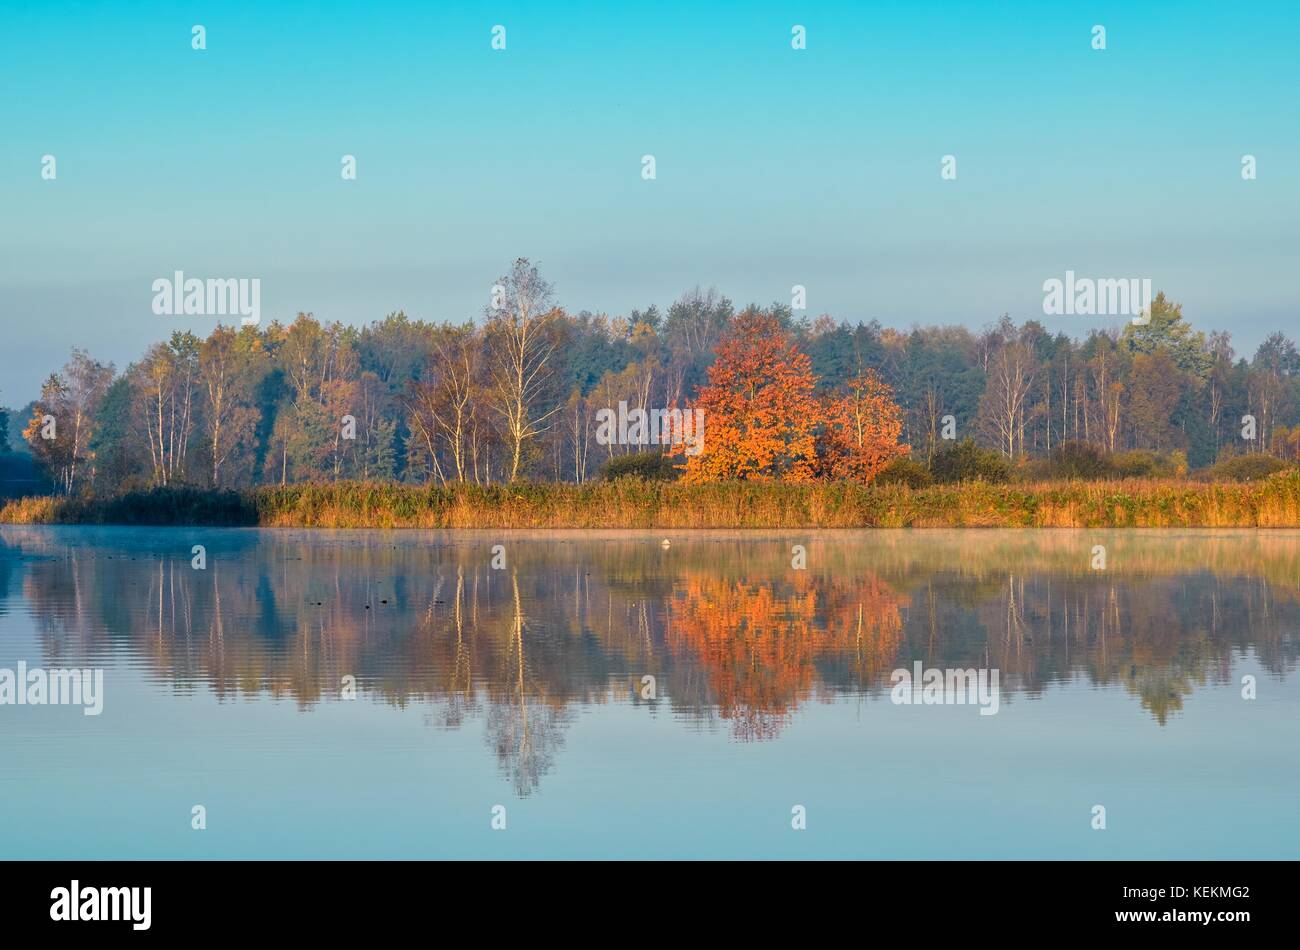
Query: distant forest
514, 394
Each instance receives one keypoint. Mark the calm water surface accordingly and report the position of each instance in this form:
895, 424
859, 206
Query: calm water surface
524, 687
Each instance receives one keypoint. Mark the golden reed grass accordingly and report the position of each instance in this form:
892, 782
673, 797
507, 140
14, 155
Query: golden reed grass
628, 503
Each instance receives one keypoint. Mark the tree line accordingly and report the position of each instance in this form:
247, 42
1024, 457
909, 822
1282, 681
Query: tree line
515, 394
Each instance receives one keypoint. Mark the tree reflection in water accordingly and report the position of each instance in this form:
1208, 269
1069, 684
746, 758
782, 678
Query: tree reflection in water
732, 634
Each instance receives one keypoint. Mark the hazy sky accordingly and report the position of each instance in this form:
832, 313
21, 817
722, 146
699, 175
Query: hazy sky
774, 166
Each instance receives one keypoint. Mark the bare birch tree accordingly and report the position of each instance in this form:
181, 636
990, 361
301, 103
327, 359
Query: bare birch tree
520, 344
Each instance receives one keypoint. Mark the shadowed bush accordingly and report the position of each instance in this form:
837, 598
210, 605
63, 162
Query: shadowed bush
967, 462
1073, 460
649, 466
1082, 460
904, 471
156, 506
1248, 468
1143, 463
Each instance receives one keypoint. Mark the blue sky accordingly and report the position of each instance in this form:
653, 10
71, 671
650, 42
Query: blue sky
774, 167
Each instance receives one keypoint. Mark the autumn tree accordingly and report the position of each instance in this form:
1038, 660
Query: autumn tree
862, 428
50, 442
760, 413
1155, 385
1107, 366
231, 365
72, 398
1275, 365
321, 367
166, 390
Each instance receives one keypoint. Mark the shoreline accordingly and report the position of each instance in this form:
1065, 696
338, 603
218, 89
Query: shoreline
1273, 502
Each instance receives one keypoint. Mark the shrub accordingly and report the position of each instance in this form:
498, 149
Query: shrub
905, 470
1080, 460
1248, 468
648, 466
1138, 463
1033, 470
966, 461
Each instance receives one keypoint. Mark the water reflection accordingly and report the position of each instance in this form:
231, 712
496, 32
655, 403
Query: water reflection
732, 634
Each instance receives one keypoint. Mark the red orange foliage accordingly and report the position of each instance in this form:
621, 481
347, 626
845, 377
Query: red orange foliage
764, 420
862, 428
760, 414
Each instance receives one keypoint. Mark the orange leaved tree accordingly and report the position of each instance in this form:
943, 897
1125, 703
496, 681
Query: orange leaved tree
760, 414
863, 424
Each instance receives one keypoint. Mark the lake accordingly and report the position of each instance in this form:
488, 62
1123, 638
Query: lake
315, 694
